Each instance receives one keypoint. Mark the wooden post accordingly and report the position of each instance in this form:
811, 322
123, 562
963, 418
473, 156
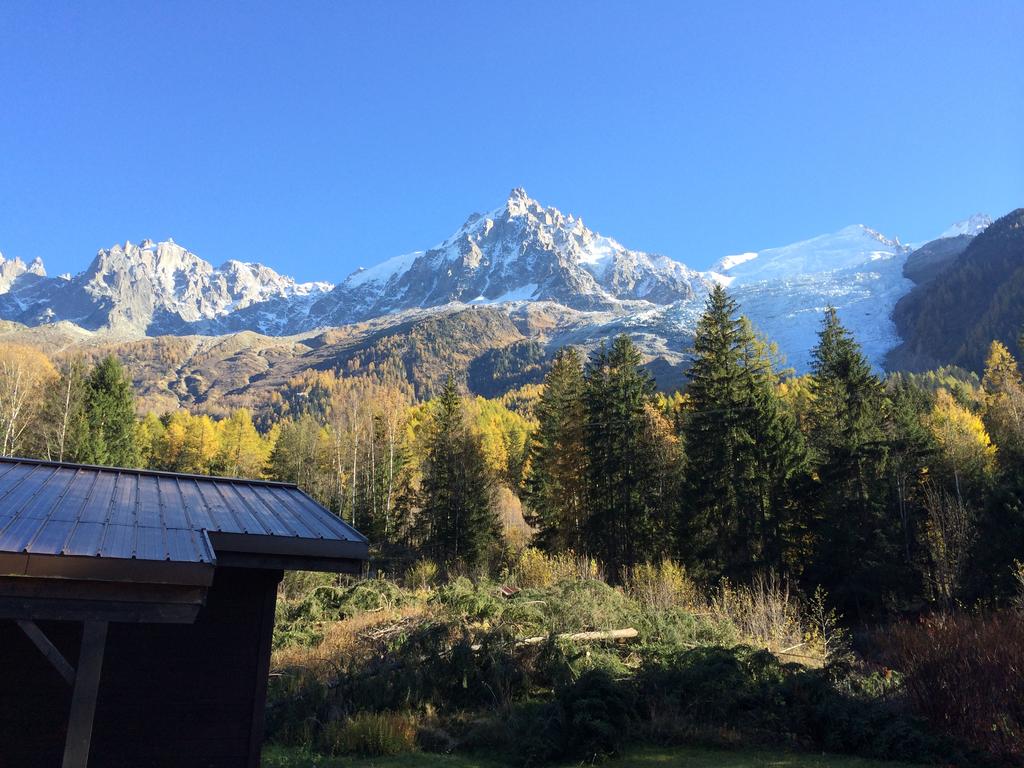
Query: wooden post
266, 636
83, 700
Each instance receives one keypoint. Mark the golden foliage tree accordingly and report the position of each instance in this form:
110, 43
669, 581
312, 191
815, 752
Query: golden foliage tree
25, 374
242, 451
1004, 401
965, 448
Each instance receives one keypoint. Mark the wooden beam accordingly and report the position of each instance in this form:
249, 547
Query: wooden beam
83, 700
48, 649
99, 591
95, 610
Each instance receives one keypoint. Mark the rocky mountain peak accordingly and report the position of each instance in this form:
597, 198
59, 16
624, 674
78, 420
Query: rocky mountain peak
13, 269
972, 225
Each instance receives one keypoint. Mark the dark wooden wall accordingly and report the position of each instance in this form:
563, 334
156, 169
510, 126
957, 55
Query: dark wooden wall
171, 696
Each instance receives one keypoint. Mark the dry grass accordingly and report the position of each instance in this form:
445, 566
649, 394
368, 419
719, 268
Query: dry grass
344, 640
535, 569
661, 586
766, 613
372, 734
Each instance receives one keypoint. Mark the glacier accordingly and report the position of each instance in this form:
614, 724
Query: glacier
518, 254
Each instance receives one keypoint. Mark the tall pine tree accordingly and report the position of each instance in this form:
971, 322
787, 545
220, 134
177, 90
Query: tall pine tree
623, 526
743, 451
457, 509
555, 486
857, 537
110, 408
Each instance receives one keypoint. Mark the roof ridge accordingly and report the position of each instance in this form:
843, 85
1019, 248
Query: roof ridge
148, 472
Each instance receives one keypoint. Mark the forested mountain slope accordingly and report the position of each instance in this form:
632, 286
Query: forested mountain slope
952, 318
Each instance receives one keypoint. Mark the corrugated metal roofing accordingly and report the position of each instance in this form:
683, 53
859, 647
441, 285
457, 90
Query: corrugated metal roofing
48, 508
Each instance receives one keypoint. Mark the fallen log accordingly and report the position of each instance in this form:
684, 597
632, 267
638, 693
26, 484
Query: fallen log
578, 637
585, 637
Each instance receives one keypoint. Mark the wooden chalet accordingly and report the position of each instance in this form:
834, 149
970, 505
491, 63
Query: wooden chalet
137, 608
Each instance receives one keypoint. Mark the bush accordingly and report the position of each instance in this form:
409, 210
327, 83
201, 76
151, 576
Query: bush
749, 694
661, 586
589, 718
765, 612
598, 714
535, 569
422, 574
371, 734
965, 674
300, 622
460, 657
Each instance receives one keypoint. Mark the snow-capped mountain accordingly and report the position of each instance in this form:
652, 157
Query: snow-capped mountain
519, 256
972, 225
785, 290
148, 288
12, 269
519, 252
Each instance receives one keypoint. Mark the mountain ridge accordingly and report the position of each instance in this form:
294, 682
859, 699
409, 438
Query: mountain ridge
522, 258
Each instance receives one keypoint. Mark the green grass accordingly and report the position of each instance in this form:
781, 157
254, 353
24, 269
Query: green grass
669, 757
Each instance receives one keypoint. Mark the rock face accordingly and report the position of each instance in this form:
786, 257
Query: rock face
148, 289
519, 252
546, 271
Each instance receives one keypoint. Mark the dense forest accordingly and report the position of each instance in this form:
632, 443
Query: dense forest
889, 493
873, 498
952, 316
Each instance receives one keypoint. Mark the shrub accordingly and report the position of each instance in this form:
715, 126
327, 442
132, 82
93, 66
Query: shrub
422, 574
965, 674
589, 718
574, 606
597, 713
661, 586
535, 569
300, 622
765, 612
297, 584
748, 694
371, 734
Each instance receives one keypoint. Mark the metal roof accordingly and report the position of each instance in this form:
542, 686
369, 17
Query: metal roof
91, 517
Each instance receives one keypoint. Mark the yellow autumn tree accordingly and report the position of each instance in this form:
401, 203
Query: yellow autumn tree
243, 452
25, 373
149, 437
1004, 400
190, 444
798, 397
504, 435
965, 449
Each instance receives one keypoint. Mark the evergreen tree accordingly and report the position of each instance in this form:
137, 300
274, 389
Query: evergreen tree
110, 408
457, 511
857, 540
301, 455
743, 451
911, 447
622, 526
555, 489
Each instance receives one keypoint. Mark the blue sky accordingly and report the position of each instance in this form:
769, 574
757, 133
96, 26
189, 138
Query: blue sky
318, 137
